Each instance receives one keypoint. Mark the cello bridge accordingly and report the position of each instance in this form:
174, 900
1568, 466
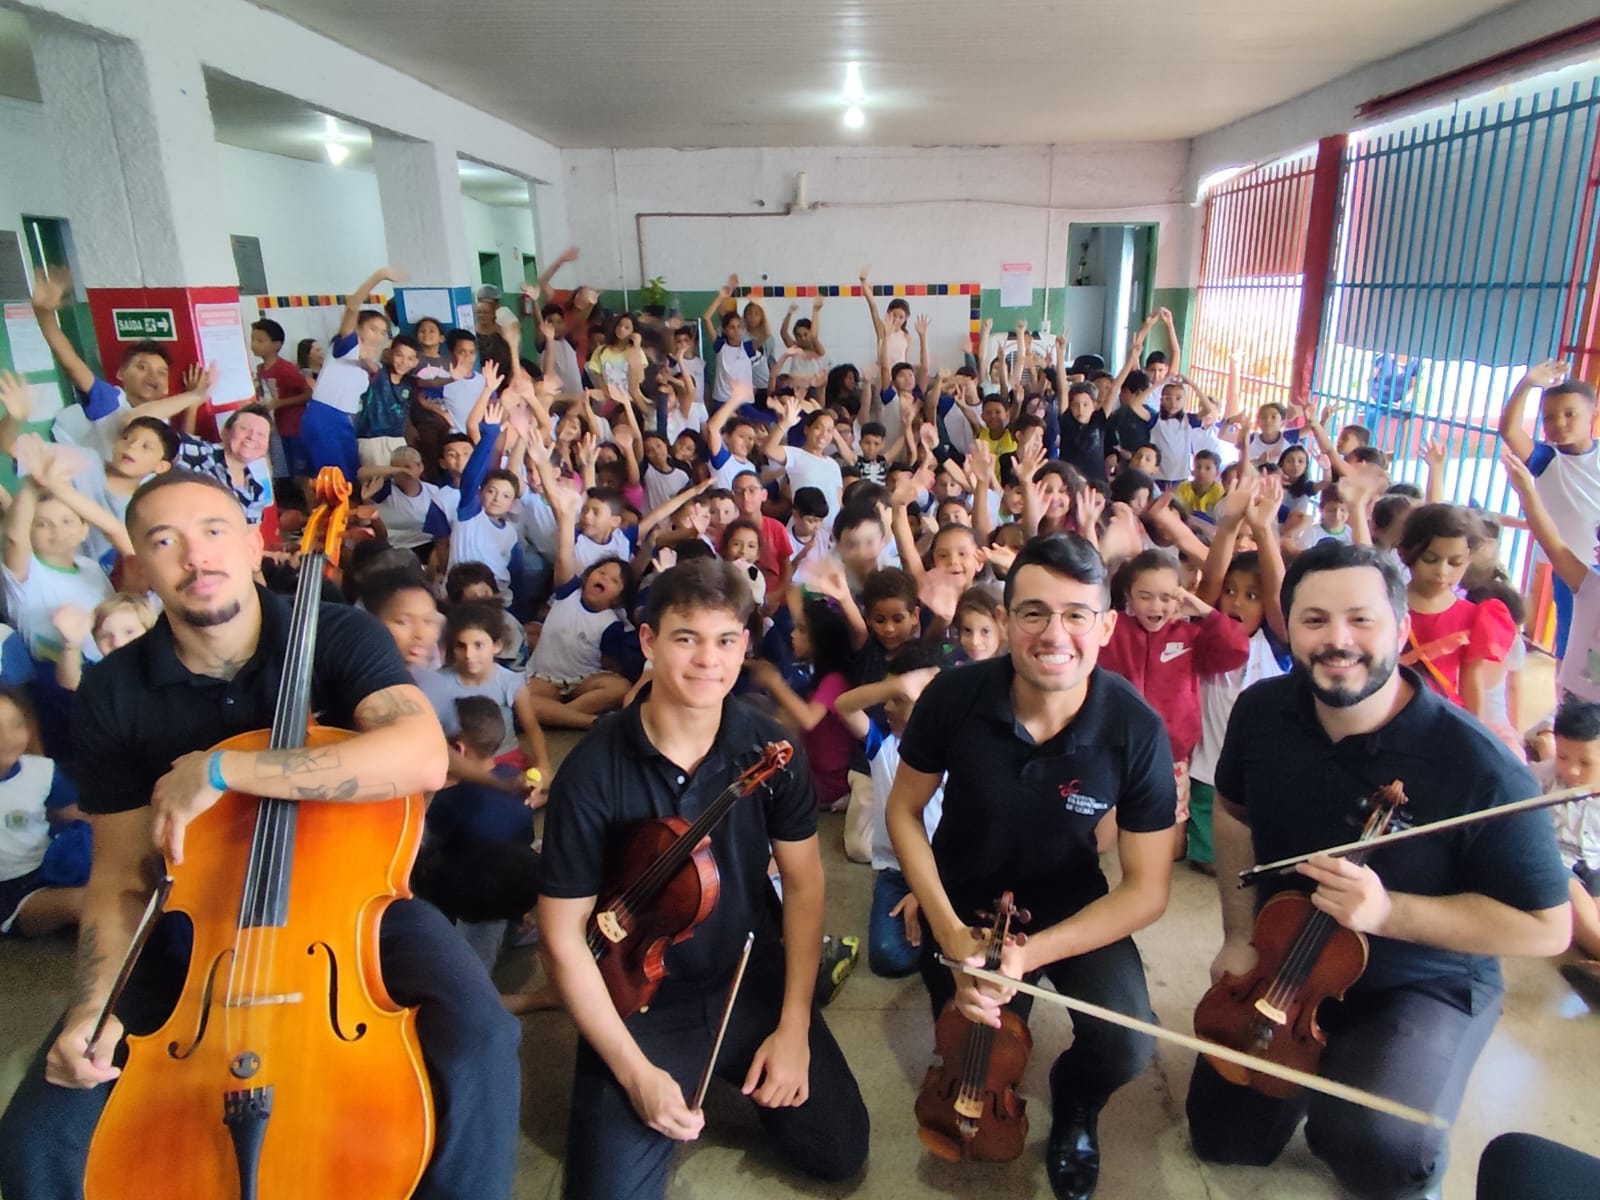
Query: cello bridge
1276, 1015
610, 926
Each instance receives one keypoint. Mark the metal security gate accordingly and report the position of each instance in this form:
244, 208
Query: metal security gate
1252, 275
1465, 253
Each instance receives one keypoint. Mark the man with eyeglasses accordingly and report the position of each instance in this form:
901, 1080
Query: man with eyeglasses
1033, 749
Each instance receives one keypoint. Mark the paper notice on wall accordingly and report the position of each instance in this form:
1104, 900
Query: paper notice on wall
1016, 285
29, 351
466, 318
221, 332
429, 302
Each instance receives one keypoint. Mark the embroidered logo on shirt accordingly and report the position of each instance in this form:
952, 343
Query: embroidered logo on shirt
1173, 650
1078, 802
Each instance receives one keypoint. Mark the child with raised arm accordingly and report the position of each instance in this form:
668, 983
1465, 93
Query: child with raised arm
1566, 464
44, 843
328, 425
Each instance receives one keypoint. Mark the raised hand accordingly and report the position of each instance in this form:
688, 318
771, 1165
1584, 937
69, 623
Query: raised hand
460, 369
923, 321
74, 623
588, 450
865, 271
1266, 497
1548, 373
491, 376
201, 380
15, 396
940, 591
49, 290
531, 291
1434, 453
981, 461
828, 577
666, 558
494, 412
569, 255
1087, 506
1516, 471
903, 492
1190, 605
371, 487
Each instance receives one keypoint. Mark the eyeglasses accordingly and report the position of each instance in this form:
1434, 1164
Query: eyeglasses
1075, 618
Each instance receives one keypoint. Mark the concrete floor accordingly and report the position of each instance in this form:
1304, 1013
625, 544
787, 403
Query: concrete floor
1534, 1076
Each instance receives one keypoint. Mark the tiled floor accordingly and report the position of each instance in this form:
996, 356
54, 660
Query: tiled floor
1536, 1075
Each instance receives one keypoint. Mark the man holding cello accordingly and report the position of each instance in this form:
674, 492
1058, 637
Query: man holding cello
144, 722
672, 754
1035, 749
1303, 754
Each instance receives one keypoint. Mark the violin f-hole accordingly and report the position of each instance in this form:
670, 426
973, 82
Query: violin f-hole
205, 1010
333, 997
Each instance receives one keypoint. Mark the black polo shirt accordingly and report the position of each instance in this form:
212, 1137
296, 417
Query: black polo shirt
1020, 816
1304, 792
615, 776
141, 708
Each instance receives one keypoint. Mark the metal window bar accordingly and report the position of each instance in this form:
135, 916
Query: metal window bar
1467, 250
1251, 275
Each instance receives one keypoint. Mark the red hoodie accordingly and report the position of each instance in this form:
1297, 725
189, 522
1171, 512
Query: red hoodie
1166, 667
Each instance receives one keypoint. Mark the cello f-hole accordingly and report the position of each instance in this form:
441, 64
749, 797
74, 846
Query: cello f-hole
205, 1010
333, 997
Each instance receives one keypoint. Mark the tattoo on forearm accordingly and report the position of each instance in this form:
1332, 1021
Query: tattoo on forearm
285, 764
384, 708
90, 962
345, 789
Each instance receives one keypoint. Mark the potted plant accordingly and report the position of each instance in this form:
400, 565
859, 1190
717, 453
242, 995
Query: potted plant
655, 296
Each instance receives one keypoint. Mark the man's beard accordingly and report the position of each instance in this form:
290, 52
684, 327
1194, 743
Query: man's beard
204, 619
1378, 674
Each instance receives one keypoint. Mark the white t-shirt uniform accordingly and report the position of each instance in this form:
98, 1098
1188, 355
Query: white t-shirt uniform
586, 551
24, 825
1569, 485
1217, 694
480, 538
443, 687
805, 469
569, 645
536, 521
31, 601
661, 486
883, 760
1176, 440
1261, 450
678, 421
414, 521
344, 378
459, 397
729, 468
1580, 666
734, 365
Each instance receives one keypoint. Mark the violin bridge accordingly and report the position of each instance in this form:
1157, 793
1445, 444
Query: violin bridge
264, 1001
1276, 1015
969, 1106
610, 926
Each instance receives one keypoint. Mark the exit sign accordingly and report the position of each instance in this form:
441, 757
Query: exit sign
144, 324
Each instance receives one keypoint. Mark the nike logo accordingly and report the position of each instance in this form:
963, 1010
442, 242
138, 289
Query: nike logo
1173, 650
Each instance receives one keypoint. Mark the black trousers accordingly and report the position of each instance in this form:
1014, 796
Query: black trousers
612, 1155
1102, 1056
1520, 1166
1417, 1045
469, 1044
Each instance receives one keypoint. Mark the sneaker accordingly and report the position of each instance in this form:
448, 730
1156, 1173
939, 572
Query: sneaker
838, 960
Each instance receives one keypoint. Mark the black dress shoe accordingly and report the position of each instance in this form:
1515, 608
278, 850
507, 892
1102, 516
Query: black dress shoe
1072, 1156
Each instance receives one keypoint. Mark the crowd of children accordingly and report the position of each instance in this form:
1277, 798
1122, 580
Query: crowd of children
521, 492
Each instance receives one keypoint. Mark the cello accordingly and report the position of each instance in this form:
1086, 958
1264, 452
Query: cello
662, 883
968, 1108
285, 1071
1304, 957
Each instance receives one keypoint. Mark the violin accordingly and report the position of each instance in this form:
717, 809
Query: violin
663, 883
285, 1069
1304, 957
968, 1108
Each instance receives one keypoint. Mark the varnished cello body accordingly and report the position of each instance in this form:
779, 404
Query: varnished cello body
285, 1071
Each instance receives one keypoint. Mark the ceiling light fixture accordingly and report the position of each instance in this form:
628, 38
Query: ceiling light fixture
854, 118
854, 93
337, 152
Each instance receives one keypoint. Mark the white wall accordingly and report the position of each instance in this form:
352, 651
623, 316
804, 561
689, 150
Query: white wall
28, 183
1331, 109
499, 227
917, 215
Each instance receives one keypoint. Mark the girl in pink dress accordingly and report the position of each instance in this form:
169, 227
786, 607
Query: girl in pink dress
1458, 647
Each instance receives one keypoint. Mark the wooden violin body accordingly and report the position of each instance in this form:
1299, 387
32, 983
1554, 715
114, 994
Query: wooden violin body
968, 1108
634, 965
992, 1124
284, 1043
661, 881
1272, 1011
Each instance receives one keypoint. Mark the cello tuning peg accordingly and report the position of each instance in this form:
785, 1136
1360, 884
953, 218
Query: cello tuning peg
1023, 917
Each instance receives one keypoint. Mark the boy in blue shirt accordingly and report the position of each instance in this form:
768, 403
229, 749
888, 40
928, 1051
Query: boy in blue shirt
354, 356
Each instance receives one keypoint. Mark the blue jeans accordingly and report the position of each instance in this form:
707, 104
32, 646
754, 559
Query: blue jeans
330, 438
889, 952
469, 1044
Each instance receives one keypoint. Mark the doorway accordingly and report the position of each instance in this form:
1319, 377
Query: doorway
489, 269
1110, 286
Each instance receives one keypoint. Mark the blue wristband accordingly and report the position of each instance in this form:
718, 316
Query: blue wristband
214, 771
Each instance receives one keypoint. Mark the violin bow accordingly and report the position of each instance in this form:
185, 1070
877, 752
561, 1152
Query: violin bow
1316, 1083
722, 1028
141, 935
1286, 866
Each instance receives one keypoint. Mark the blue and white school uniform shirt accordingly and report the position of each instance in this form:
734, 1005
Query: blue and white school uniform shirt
734, 364
1176, 438
569, 646
621, 544
414, 521
1261, 450
27, 793
95, 422
1569, 485
344, 379
883, 760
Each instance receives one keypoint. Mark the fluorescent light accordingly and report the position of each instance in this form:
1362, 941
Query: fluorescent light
854, 93
337, 152
854, 118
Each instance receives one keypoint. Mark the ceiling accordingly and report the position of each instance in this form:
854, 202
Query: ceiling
628, 73
257, 118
